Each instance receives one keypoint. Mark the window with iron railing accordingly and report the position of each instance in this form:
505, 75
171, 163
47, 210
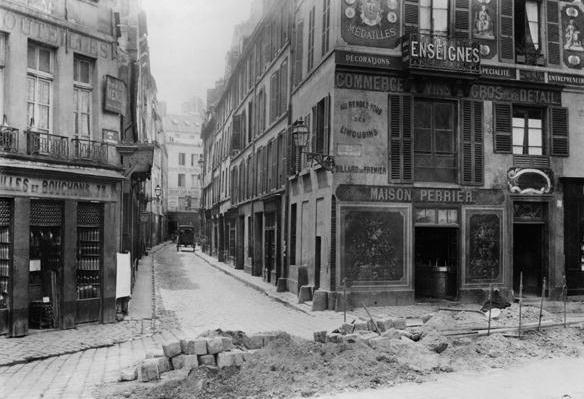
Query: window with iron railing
40, 68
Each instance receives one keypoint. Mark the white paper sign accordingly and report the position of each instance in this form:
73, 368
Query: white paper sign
35, 265
123, 275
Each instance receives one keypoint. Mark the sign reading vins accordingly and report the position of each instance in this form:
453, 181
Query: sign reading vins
429, 52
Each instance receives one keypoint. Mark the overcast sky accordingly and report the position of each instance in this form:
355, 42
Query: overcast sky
188, 41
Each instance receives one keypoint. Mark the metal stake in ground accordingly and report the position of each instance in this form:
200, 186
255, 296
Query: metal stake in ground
541, 304
565, 296
520, 301
372, 321
490, 307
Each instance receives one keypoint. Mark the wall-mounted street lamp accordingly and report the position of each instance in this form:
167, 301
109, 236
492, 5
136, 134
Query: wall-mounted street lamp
301, 135
157, 192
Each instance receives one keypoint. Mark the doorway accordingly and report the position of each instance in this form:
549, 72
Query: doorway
528, 257
436, 262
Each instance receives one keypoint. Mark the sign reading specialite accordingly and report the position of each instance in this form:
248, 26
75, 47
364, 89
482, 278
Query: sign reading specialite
115, 95
52, 188
371, 22
430, 52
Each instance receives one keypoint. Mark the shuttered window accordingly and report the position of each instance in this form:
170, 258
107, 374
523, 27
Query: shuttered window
400, 138
502, 113
559, 131
462, 19
553, 32
472, 143
506, 41
411, 16
298, 52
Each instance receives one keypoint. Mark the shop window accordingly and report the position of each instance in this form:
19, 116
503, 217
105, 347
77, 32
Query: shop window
89, 260
434, 17
5, 251
181, 180
82, 95
528, 133
528, 32
437, 216
434, 141
39, 87
181, 158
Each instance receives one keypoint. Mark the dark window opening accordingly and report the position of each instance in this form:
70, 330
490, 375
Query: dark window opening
528, 32
528, 132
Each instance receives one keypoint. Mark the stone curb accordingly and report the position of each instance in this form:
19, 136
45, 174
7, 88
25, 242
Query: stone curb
251, 284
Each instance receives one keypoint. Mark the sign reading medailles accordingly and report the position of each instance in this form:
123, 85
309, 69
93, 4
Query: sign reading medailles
428, 52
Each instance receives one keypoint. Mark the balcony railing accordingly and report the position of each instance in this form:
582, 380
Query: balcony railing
8, 139
89, 150
45, 144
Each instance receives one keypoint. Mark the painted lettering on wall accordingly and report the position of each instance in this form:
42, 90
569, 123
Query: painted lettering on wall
439, 53
562, 78
374, 170
421, 195
371, 22
367, 60
361, 81
498, 72
512, 94
55, 187
360, 113
55, 35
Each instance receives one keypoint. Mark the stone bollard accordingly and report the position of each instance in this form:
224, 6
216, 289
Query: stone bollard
320, 300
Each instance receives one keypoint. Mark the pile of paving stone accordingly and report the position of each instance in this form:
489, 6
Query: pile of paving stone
209, 351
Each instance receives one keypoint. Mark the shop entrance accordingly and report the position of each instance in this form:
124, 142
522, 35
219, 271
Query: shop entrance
46, 264
528, 257
436, 262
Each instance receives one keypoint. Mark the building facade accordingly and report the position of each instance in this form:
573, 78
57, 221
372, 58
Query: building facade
64, 99
185, 152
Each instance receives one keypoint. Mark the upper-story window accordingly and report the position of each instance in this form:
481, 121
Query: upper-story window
40, 69
181, 158
527, 31
434, 17
528, 131
82, 95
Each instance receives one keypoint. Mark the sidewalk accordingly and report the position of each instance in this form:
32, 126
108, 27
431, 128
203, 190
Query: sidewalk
44, 344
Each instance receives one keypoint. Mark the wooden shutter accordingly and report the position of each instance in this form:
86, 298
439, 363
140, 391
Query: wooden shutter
502, 115
298, 50
472, 142
327, 125
400, 138
236, 133
274, 82
558, 117
506, 35
411, 16
310, 145
462, 19
553, 32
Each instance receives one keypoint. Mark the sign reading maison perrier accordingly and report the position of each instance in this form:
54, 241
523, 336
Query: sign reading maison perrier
428, 52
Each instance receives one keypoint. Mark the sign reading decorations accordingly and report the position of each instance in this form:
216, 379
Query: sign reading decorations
367, 60
439, 53
484, 16
115, 95
371, 22
572, 29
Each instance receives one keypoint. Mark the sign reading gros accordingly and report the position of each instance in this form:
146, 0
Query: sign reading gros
440, 53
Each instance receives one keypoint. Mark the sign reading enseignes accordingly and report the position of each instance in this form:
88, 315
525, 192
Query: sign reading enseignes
360, 127
115, 95
57, 188
373, 23
429, 52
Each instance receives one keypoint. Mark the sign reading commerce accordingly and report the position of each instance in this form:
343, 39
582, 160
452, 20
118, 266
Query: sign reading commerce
439, 53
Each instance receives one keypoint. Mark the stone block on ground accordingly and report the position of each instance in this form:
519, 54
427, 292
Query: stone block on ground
154, 353
149, 370
237, 357
361, 326
249, 355
351, 338
399, 323
129, 374
335, 338
379, 342
178, 361
305, 293
171, 349
385, 324
371, 325
207, 360
396, 334
367, 335
214, 345
256, 341
225, 359
320, 336
187, 346
435, 342
320, 300
190, 362
269, 337
200, 347
163, 364
227, 343
347, 328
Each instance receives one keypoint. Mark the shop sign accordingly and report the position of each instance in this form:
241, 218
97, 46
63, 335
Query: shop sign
529, 181
56, 188
404, 194
428, 52
371, 22
484, 19
115, 95
531, 76
567, 79
369, 82
516, 95
367, 60
498, 72
55, 35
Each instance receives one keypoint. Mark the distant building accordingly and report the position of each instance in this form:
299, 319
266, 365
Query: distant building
185, 151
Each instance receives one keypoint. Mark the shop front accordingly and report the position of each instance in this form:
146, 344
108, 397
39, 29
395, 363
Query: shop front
59, 239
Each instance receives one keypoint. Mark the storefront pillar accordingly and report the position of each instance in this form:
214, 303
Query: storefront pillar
20, 299
69, 301
109, 263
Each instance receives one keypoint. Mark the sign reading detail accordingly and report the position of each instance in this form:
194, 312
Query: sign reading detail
115, 95
513, 94
371, 22
439, 53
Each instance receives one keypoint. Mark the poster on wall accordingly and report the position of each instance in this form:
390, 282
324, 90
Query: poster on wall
484, 16
484, 248
373, 245
572, 31
374, 23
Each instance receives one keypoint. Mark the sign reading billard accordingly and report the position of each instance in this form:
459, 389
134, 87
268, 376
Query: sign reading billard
430, 52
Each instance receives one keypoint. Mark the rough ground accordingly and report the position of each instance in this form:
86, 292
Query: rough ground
293, 367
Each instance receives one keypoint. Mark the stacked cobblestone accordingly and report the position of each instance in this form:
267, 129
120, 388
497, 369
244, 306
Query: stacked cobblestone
212, 351
368, 332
